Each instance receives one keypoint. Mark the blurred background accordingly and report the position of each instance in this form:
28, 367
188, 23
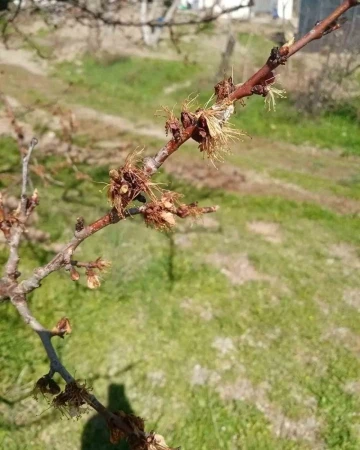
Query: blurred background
240, 330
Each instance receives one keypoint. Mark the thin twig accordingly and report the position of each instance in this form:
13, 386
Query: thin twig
63, 258
11, 267
45, 335
25, 174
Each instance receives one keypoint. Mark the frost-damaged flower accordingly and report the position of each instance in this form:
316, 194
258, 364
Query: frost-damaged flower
74, 274
136, 438
272, 93
266, 89
128, 183
102, 264
134, 423
71, 401
45, 385
161, 213
157, 442
172, 124
224, 88
93, 280
62, 327
214, 132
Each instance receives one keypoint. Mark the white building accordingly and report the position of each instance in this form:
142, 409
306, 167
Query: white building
283, 8
275, 8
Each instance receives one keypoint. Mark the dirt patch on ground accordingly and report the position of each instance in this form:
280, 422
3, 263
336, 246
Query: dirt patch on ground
352, 298
346, 337
307, 428
346, 254
205, 312
23, 58
247, 182
268, 230
237, 268
201, 376
118, 122
223, 345
352, 387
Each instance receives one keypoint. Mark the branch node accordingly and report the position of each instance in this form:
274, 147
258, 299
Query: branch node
80, 224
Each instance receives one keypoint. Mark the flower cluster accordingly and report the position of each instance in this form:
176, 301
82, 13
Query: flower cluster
129, 183
213, 131
161, 214
71, 401
92, 270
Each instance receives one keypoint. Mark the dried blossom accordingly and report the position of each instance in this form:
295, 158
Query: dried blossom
157, 442
116, 435
127, 183
72, 400
272, 93
157, 217
215, 132
159, 214
93, 280
62, 327
223, 89
135, 438
172, 124
102, 264
46, 385
187, 119
191, 210
74, 274
278, 56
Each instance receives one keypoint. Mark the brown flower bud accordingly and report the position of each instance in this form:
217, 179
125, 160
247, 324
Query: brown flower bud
74, 274
62, 327
80, 224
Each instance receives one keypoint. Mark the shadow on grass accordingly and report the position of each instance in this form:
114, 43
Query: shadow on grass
96, 434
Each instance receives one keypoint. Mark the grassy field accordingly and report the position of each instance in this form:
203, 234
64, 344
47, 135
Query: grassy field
126, 86
238, 332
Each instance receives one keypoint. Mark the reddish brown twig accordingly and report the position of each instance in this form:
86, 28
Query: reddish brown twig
277, 57
285, 52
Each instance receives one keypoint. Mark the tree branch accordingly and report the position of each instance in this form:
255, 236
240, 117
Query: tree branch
63, 258
56, 366
278, 57
168, 22
19, 220
323, 27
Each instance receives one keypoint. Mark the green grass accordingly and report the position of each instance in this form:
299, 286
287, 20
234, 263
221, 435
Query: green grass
136, 88
289, 125
144, 337
128, 86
